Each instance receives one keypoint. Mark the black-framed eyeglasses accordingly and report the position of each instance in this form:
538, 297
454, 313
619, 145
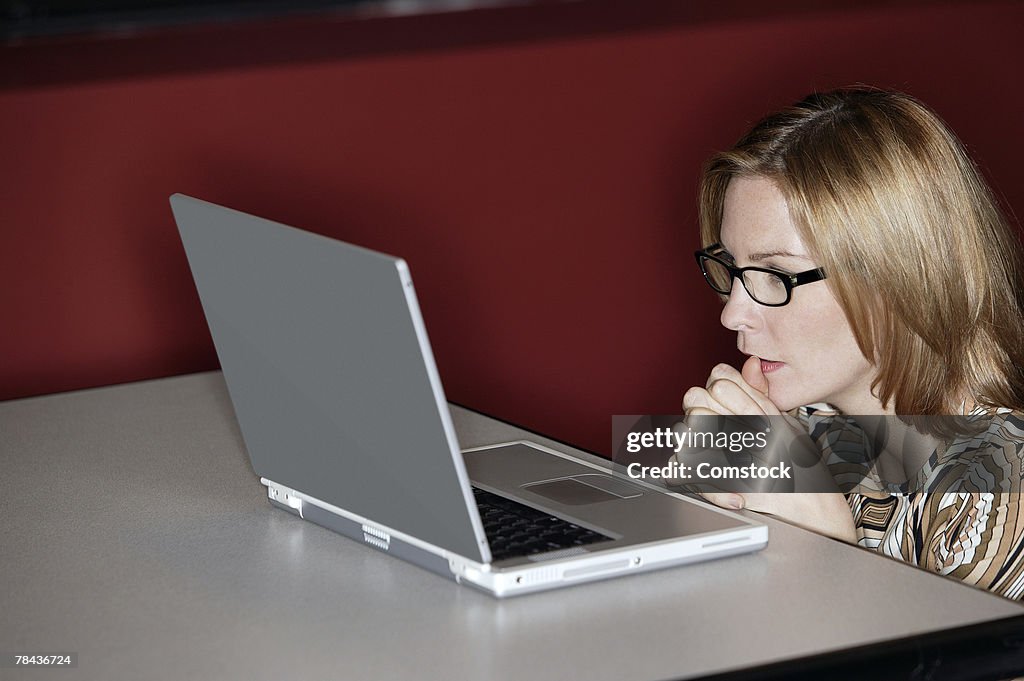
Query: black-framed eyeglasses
766, 286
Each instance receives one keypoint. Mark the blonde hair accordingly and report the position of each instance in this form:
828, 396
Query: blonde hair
915, 248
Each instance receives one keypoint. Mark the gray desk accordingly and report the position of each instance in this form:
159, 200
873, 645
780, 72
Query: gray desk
134, 533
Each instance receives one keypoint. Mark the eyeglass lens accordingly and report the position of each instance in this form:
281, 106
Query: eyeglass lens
764, 287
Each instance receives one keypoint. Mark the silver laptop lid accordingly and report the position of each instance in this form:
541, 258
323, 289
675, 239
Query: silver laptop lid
328, 365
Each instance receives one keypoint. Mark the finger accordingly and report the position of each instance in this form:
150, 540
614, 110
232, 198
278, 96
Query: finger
722, 375
722, 371
753, 375
724, 399
736, 398
762, 502
700, 399
725, 499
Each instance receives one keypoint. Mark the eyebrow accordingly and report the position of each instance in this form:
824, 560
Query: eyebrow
758, 257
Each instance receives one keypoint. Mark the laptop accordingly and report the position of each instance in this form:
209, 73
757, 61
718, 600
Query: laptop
341, 408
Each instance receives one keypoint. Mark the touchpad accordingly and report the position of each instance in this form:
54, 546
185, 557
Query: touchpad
570, 491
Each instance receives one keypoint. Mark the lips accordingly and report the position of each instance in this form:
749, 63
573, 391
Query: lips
767, 365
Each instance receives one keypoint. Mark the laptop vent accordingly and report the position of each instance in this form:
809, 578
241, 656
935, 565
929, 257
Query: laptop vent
375, 537
538, 576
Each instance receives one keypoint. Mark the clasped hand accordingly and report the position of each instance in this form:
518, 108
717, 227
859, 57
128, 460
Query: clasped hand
745, 393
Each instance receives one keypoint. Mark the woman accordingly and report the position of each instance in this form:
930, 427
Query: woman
880, 278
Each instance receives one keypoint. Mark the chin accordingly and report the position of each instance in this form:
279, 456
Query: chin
789, 401
788, 406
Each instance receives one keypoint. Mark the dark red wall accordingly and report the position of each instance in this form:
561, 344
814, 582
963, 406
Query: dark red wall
540, 181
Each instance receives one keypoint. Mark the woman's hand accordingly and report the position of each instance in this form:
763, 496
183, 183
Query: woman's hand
744, 393
826, 513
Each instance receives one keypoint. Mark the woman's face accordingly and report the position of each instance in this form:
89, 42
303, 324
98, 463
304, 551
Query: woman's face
807, 349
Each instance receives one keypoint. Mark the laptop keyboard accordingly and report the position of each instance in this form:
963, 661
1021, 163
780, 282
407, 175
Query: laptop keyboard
514, 529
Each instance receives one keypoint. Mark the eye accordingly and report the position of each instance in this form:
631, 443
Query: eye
776, 278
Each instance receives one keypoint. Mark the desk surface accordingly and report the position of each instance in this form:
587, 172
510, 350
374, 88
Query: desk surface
135, 534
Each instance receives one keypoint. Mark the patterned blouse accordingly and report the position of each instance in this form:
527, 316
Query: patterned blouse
961, 514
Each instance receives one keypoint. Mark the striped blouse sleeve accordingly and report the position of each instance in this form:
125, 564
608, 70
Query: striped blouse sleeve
966, 519
977, 538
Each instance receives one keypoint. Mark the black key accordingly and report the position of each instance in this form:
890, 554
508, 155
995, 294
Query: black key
514, 529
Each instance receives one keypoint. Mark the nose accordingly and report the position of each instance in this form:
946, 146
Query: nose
741, 312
